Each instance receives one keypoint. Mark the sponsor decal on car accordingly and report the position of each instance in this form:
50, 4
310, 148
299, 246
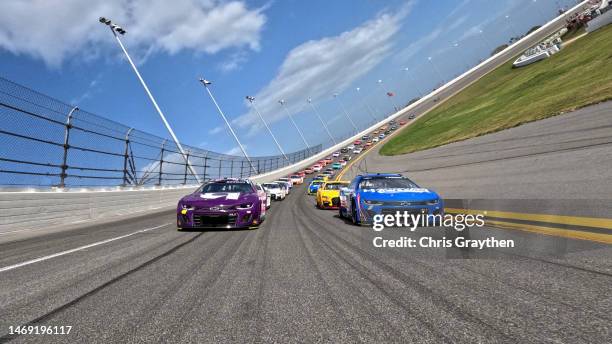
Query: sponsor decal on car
396, 190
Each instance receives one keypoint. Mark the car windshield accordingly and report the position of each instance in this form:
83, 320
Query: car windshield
387, 183
317, 182
226, 187
271, 186
334, 186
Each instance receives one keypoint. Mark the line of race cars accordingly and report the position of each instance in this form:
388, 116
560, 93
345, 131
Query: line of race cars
240, 203
232, 203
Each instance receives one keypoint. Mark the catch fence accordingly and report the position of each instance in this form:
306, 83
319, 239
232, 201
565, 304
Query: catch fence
47, 143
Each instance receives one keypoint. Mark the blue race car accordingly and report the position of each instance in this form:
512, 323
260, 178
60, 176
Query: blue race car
314, 186
373, 194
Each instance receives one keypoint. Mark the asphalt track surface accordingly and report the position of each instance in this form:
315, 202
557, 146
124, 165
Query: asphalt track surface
563, 162
303, 276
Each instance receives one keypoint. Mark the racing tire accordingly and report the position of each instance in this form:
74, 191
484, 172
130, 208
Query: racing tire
354, 219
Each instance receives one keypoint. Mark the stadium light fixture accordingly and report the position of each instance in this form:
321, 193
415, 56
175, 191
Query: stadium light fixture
282, 103
345, 112
117, 29
514, 32
309, 100
252, 101
433, 65
407, 70
206, 83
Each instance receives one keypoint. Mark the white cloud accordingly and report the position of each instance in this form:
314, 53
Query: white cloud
92, 88
417, 46
233, 62
68, 28
318, 68
235, 150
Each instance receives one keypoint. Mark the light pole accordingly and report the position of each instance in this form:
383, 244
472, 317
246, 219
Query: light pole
386, 93
368, 107
535, 4
465, 55
282, 103
115, 29
488, 45
207, 83
309, 100
514, 32
433, 65
421, 93
345, 112
252, 101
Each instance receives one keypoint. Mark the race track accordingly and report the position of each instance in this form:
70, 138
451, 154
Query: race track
304, 276
307, 276
560, 159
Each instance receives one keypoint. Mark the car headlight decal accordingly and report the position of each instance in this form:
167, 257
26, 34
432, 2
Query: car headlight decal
244, 206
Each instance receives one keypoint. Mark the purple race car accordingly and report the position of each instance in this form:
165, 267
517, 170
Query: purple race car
225, 203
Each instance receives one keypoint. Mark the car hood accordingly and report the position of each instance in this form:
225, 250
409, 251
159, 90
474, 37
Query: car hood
219, 198
400, 194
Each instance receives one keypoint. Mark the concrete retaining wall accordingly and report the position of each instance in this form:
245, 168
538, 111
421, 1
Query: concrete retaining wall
35, 209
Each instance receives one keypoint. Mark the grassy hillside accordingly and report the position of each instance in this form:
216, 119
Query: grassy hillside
579, 75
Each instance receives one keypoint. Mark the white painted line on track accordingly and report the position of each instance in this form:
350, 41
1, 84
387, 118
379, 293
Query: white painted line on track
55, 255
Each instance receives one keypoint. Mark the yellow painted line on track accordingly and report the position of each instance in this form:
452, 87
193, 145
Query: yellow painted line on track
565, 233
353, 161
369, 150
548, 218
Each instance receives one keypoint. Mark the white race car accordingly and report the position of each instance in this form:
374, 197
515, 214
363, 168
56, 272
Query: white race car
264, 196
276, 192
286, 180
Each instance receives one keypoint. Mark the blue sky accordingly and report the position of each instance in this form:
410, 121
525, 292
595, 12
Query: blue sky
285, 49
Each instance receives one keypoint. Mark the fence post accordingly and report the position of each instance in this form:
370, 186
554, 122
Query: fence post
186, 167
258, 168
63, 175
241, 169
220, 163
205, 166
126, 156
161, 163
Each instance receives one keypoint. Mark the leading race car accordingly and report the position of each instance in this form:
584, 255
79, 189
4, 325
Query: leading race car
373, 194
224, 203
328, 194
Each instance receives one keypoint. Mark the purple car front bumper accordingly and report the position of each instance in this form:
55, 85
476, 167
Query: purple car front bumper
218, 219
